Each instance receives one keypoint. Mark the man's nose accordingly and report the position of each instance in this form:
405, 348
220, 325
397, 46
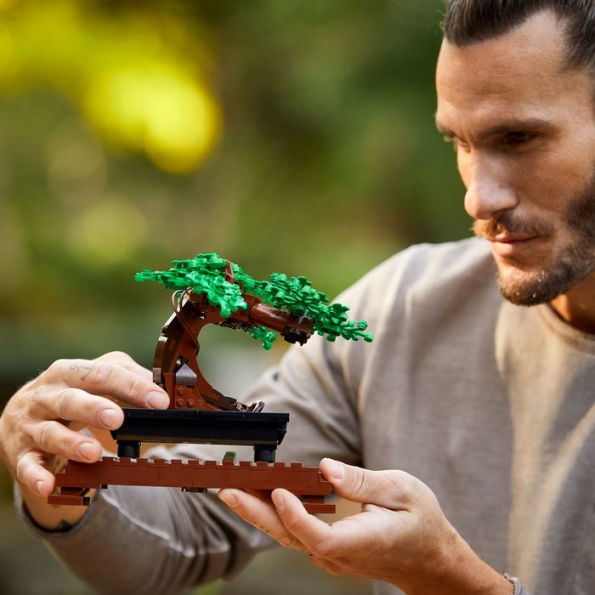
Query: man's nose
487, 191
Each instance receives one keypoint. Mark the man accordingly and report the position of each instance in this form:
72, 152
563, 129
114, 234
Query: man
485, 400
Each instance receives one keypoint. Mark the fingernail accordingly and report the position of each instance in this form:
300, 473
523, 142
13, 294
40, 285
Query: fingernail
86, 450
280, 500
157, 400
229, 498
335, 469
39, 486
107, 417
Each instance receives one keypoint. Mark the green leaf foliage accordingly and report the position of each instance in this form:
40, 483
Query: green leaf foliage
205, 274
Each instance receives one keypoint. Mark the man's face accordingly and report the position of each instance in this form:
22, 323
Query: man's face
524, 132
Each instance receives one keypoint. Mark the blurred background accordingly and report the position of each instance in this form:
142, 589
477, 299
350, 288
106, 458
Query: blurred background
286, 136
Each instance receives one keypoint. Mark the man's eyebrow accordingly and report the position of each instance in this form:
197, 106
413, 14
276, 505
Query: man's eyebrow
512, 125
517, 125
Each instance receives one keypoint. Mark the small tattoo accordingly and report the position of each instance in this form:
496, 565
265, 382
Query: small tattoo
64, 526
86, 370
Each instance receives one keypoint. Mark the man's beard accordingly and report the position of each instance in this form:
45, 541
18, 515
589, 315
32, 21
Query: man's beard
570, 264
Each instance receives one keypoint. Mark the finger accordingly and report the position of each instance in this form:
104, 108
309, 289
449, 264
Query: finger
76, 405
391, 489
31, 473
360, 532
101, 377
261, 514
315, 535
123, 359
55, 438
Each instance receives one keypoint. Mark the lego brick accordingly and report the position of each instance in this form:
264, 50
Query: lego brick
204, 427
191, 476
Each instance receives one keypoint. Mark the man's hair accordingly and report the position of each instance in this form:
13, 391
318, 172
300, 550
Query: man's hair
470, 21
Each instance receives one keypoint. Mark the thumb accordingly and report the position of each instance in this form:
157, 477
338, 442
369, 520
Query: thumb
390, 489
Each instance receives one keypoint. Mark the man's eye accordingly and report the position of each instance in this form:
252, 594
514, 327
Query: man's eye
456, 143
518, 138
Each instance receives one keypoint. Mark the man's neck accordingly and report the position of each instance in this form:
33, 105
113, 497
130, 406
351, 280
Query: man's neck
577, 307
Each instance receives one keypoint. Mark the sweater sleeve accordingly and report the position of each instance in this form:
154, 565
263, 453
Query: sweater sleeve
152, 540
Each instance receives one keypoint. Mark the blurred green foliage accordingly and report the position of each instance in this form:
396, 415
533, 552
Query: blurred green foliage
283, 135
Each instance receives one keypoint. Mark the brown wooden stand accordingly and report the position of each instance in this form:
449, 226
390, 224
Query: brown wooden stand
192, 476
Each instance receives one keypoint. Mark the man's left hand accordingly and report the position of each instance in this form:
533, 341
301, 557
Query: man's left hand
401, 535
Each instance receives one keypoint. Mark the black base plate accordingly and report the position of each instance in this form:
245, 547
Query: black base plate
204, 427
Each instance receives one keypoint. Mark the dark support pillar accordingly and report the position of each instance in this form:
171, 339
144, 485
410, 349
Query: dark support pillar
264, 453
129, 448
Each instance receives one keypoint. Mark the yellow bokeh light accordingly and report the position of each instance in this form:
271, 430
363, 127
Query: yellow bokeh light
155, 108
129, 76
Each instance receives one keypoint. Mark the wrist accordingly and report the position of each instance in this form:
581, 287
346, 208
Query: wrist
471, 575
50, 517
458, 569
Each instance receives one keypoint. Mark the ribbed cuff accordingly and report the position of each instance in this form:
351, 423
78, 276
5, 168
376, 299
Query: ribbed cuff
518, 587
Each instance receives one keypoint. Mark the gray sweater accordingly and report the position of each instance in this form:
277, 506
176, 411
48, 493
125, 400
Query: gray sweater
490, 404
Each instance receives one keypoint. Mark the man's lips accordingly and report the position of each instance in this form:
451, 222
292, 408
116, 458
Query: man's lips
511, 245
511, 238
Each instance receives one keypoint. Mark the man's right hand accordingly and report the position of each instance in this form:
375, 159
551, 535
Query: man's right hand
42, 419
